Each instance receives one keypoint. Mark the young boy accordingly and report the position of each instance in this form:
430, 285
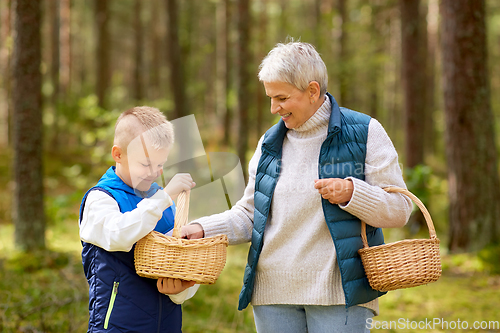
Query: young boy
123, 207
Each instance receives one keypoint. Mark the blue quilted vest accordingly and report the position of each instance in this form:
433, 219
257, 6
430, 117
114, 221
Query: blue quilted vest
342, 155
119, 299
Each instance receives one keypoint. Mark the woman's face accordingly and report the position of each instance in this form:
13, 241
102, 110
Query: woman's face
293, 105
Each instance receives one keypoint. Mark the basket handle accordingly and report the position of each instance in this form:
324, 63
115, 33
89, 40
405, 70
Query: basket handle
181, 214
425, 212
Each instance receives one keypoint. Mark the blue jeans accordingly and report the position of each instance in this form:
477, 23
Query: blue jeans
311, 319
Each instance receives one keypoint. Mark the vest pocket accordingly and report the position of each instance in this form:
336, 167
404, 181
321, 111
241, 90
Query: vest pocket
114, 292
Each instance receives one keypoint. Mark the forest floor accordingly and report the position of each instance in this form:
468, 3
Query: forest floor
47, 292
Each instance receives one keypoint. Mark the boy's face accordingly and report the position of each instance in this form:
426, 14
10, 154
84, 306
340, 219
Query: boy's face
140, 165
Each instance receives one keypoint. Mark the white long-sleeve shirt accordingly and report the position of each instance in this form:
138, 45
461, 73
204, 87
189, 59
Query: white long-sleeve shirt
105, 226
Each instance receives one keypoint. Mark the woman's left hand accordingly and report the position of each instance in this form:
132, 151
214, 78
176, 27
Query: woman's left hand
335, 190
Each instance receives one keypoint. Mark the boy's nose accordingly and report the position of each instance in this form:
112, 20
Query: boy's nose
155, 171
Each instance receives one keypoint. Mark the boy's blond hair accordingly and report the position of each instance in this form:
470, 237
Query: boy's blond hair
147, 121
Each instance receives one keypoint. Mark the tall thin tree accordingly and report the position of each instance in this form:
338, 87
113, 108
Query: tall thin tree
471, 151
137, 83
413, 79
413, 76
65, 52
177, 75
432, 58
244, 61
228, 116
5, 82
103, 51
28, 209
155, 38
343, 54
55, 29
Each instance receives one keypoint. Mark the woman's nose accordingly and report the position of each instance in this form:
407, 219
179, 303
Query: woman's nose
275, 107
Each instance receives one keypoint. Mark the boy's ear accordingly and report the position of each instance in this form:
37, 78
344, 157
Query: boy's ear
117, 153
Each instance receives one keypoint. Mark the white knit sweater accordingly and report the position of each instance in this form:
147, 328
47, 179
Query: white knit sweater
298, 263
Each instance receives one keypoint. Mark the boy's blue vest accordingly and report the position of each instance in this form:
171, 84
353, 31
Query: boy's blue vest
119, 299
342, 155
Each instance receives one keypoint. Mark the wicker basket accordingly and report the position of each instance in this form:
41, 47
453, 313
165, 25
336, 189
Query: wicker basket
201, 260
404, 264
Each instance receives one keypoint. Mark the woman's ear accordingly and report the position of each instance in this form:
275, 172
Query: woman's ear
314, 91
117, 153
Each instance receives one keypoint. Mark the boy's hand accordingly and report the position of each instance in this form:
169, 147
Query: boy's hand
180, 182
335, 190
171, 286
192, 231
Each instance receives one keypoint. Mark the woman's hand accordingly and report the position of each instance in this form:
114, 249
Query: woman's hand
192, 231
335, 190
171, 286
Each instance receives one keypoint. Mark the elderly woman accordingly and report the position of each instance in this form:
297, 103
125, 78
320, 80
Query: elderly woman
313, 177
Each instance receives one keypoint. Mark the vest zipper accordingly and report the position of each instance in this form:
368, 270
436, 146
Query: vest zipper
159, 313
111, 303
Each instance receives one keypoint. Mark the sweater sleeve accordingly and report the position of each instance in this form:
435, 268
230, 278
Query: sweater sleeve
369, 201
236, 223
105, 226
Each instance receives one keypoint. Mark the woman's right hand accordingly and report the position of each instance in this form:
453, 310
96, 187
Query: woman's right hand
180, 182
192, 231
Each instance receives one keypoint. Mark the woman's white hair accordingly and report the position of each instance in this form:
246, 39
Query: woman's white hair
296, 63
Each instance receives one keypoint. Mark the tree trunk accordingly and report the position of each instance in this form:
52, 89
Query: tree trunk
413, 76
244, 77
65, 52
28, 209
229, 74
262, 50
220, 61
432, 55
103, 74
137, 80
343, 56
319, 23
177, 75
156, 64
474, 189
413, 79
54, 68
377, 48
5, 82
54, 71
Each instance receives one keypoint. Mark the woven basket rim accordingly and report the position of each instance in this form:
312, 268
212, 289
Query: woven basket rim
183, 242
400, 243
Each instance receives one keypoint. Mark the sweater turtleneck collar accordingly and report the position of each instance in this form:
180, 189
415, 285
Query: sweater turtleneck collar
317, 122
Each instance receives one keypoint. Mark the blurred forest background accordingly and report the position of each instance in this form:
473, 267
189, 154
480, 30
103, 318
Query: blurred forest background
426, 69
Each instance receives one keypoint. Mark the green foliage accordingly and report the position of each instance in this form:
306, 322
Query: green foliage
62, 207
42, 292
431, 188
490, 258
418, 181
